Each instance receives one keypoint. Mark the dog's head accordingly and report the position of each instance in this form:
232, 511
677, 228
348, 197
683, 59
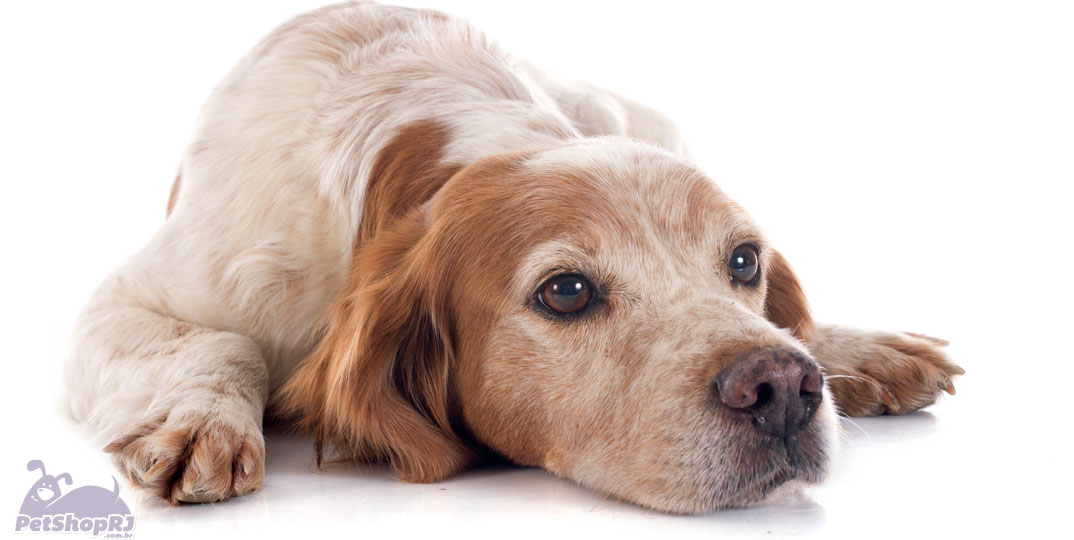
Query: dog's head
601, 310
45, 489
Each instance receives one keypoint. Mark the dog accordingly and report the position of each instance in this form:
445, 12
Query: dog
46, 490
390, 233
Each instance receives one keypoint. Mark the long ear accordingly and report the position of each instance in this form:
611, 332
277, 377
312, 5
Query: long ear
376, 386
785, 304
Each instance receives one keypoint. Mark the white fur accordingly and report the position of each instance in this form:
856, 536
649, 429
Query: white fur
216, 312
271, 196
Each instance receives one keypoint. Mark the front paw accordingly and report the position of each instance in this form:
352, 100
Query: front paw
193, 456
872, 373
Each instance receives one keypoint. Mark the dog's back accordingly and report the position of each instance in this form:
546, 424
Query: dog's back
270, 194
259, 237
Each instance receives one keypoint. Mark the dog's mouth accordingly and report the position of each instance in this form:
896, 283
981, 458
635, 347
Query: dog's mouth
769, 464
722, 460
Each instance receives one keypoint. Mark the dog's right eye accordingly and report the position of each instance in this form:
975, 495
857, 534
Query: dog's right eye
744, 265
566, 294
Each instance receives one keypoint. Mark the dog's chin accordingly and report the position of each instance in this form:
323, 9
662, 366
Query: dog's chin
776, 493
744, 490
757, 487
767, 468
774, 468
775, 486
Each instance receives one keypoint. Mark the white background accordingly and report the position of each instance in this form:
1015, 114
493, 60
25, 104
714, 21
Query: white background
913, 160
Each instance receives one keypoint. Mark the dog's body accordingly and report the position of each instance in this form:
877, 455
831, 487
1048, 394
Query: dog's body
356, 183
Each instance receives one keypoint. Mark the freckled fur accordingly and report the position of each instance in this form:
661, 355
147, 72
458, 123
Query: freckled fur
352, 245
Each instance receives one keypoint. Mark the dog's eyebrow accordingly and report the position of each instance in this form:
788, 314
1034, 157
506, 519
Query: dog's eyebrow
558, 269
557, 256
579, 265
742, 235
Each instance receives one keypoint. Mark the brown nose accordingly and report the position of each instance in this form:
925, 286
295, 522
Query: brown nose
778, 388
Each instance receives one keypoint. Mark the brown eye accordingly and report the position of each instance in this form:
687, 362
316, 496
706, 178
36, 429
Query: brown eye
744, 265
566, 294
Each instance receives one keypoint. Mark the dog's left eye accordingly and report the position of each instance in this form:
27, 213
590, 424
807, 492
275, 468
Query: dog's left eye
566, 294
744, 264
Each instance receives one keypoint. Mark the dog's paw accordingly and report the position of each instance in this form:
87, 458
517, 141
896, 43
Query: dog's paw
872, 373
192, 457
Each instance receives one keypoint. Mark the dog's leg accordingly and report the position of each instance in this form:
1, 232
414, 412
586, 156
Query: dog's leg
180, 404
872, 372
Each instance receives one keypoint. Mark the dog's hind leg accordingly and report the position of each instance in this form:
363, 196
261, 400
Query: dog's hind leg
180, 405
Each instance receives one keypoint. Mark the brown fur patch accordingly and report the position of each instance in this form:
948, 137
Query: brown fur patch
376, 387
785, 304
173, 197
407, 172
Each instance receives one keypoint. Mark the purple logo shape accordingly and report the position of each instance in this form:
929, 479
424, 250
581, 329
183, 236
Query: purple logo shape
88, 508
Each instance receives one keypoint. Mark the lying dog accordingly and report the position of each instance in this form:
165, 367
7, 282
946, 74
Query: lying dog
393, 234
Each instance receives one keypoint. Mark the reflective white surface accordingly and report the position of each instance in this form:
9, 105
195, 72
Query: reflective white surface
912, 160
959, 469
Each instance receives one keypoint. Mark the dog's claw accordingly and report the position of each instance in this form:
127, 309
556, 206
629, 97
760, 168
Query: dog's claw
192, 458
950, 388
240, 474
888, 400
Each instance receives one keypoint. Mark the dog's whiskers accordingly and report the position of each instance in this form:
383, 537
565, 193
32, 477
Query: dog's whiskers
847, 419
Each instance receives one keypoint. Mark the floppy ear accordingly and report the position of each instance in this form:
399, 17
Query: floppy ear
785, 304
376, 386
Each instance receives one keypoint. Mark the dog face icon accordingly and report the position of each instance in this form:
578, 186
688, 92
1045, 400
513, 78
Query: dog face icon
45, 491
45, 497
